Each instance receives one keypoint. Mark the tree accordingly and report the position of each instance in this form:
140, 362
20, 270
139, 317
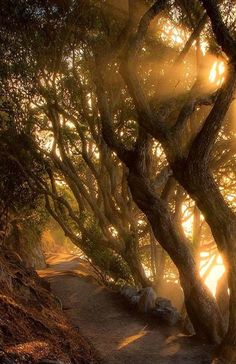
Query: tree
190, 162
83, 183
98, 74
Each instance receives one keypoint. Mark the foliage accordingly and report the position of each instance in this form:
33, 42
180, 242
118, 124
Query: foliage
122, 153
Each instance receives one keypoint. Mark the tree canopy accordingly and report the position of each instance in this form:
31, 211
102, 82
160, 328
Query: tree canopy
121, 118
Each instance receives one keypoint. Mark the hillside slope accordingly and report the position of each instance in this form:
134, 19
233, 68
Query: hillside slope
33, 328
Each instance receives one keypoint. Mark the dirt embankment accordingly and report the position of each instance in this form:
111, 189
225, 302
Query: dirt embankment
33, 328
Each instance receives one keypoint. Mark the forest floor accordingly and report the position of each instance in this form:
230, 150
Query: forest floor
118, 334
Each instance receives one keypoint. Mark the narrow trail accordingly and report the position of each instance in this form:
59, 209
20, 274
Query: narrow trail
117, 333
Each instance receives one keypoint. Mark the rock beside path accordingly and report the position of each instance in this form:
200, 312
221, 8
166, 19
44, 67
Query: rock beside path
147, 302
165, 312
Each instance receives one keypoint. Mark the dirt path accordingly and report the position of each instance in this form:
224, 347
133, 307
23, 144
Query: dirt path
117, 333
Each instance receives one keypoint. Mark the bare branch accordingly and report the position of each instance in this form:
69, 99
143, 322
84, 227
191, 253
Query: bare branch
195, 34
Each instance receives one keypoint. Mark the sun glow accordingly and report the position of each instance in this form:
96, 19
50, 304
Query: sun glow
211, 266
214, 274
171, 33
216, 75
204, 65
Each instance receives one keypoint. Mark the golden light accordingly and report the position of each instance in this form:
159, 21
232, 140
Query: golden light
204, 46
215, 273
35, 345
176, 36
213, 73
113, 231
216, 75
216, 267
188, 225
130, 339
172, 33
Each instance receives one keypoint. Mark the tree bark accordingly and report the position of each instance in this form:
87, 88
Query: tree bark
200, 304
200, 184
160, 265
132, 257
222, 295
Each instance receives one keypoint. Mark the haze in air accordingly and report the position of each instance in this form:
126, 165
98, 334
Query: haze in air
117, 189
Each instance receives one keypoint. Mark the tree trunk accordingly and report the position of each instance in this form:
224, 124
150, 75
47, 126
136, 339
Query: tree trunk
196, 239
160, 264
222, 295
227, 348
200, 304
201, 186
132, 257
